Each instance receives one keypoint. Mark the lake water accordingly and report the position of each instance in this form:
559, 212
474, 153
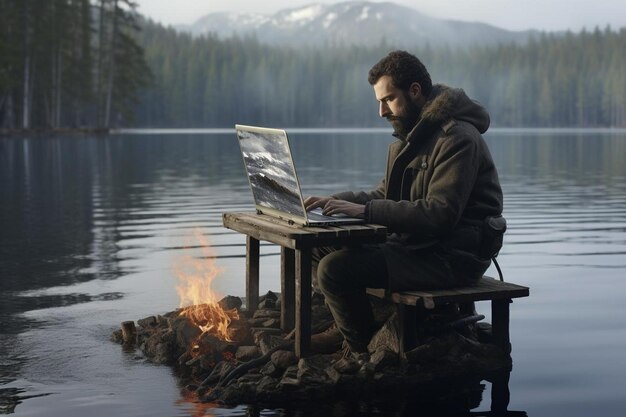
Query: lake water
90, 228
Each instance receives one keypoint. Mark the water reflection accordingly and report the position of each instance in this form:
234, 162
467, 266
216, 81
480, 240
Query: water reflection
12, 397
455, 397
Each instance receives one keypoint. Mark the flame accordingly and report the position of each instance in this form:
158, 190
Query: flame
198, 301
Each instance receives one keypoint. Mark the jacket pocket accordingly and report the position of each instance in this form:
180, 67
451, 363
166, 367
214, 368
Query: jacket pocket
418, 179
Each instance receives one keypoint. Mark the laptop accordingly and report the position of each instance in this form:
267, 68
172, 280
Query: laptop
273, 179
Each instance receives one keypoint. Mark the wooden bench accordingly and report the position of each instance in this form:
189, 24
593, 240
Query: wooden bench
414, 305
297, 244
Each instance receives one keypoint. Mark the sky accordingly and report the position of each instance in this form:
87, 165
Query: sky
549, 15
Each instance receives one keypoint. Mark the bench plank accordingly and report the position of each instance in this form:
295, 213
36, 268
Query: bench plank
486, 288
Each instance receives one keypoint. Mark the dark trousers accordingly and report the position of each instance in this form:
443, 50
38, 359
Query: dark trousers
344, 274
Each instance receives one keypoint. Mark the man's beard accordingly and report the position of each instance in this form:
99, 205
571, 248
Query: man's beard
402, 125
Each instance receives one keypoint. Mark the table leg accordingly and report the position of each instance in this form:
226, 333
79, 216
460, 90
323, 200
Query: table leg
252, 273
303, 302
500, 394
287, 288
500, 324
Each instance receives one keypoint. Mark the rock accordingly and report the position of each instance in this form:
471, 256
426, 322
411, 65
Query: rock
246, 353
163, 321
384, 358
290, 377
161, 347
366, 371
206, 362
240, 333
431, 351
346, 382
312, 370
272, 370
258, 322
268, 303
211, 343
186, 332
182, 359
220, 370
269, 342
346, 366
230, 302
239, 393
269, 295
271, 323
266, 385
283, 359
116, 336
258, 333
249, 378
387, 338
213, 395
162, 354
148, 322
266, 314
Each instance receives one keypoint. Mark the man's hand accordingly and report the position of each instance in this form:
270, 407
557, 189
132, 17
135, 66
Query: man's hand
314, 202
344, 207
330, 206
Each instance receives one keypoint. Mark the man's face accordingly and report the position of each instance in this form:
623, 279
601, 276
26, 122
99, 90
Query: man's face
396, 105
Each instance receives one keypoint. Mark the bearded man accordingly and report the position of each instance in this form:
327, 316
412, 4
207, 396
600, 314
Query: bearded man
440, 186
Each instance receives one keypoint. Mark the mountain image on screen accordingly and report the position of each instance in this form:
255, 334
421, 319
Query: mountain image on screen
271, 172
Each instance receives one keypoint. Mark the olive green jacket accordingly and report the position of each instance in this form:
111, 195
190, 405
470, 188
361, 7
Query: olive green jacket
439, 186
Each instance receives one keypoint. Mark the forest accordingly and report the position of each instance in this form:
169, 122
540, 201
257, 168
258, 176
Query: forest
69, 63
556, 80
78, 63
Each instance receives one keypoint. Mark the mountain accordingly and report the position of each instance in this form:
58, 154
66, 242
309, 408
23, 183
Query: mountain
353, 22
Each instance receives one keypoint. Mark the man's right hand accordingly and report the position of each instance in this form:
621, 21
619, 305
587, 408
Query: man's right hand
314, 202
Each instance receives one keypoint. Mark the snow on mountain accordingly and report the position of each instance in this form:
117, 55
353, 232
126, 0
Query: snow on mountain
353, 22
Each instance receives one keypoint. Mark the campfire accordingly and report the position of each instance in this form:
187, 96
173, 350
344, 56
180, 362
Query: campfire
226, 354
198, 300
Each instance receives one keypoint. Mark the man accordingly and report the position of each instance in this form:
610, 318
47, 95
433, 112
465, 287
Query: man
440, 186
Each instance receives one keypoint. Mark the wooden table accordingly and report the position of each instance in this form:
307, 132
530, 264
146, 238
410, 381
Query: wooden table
296, 243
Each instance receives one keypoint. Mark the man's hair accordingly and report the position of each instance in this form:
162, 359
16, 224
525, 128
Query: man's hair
404, 70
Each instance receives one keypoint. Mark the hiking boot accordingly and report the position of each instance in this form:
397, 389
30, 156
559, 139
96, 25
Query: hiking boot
328, 341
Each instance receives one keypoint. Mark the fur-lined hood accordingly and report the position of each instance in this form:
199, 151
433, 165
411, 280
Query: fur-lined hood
446, 103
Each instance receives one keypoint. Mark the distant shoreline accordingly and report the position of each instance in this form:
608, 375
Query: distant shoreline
298, 130
63, 131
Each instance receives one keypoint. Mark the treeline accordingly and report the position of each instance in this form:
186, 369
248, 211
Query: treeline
96, 63
555, 80
69, 63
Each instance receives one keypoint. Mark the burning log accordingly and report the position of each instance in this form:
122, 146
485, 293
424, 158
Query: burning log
129, 332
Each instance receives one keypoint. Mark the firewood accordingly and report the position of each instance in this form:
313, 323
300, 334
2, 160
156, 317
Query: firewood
129, 332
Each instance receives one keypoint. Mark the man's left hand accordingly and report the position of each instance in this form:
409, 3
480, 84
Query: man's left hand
344, 207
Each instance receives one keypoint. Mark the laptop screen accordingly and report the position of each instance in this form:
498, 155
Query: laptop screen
270, 169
